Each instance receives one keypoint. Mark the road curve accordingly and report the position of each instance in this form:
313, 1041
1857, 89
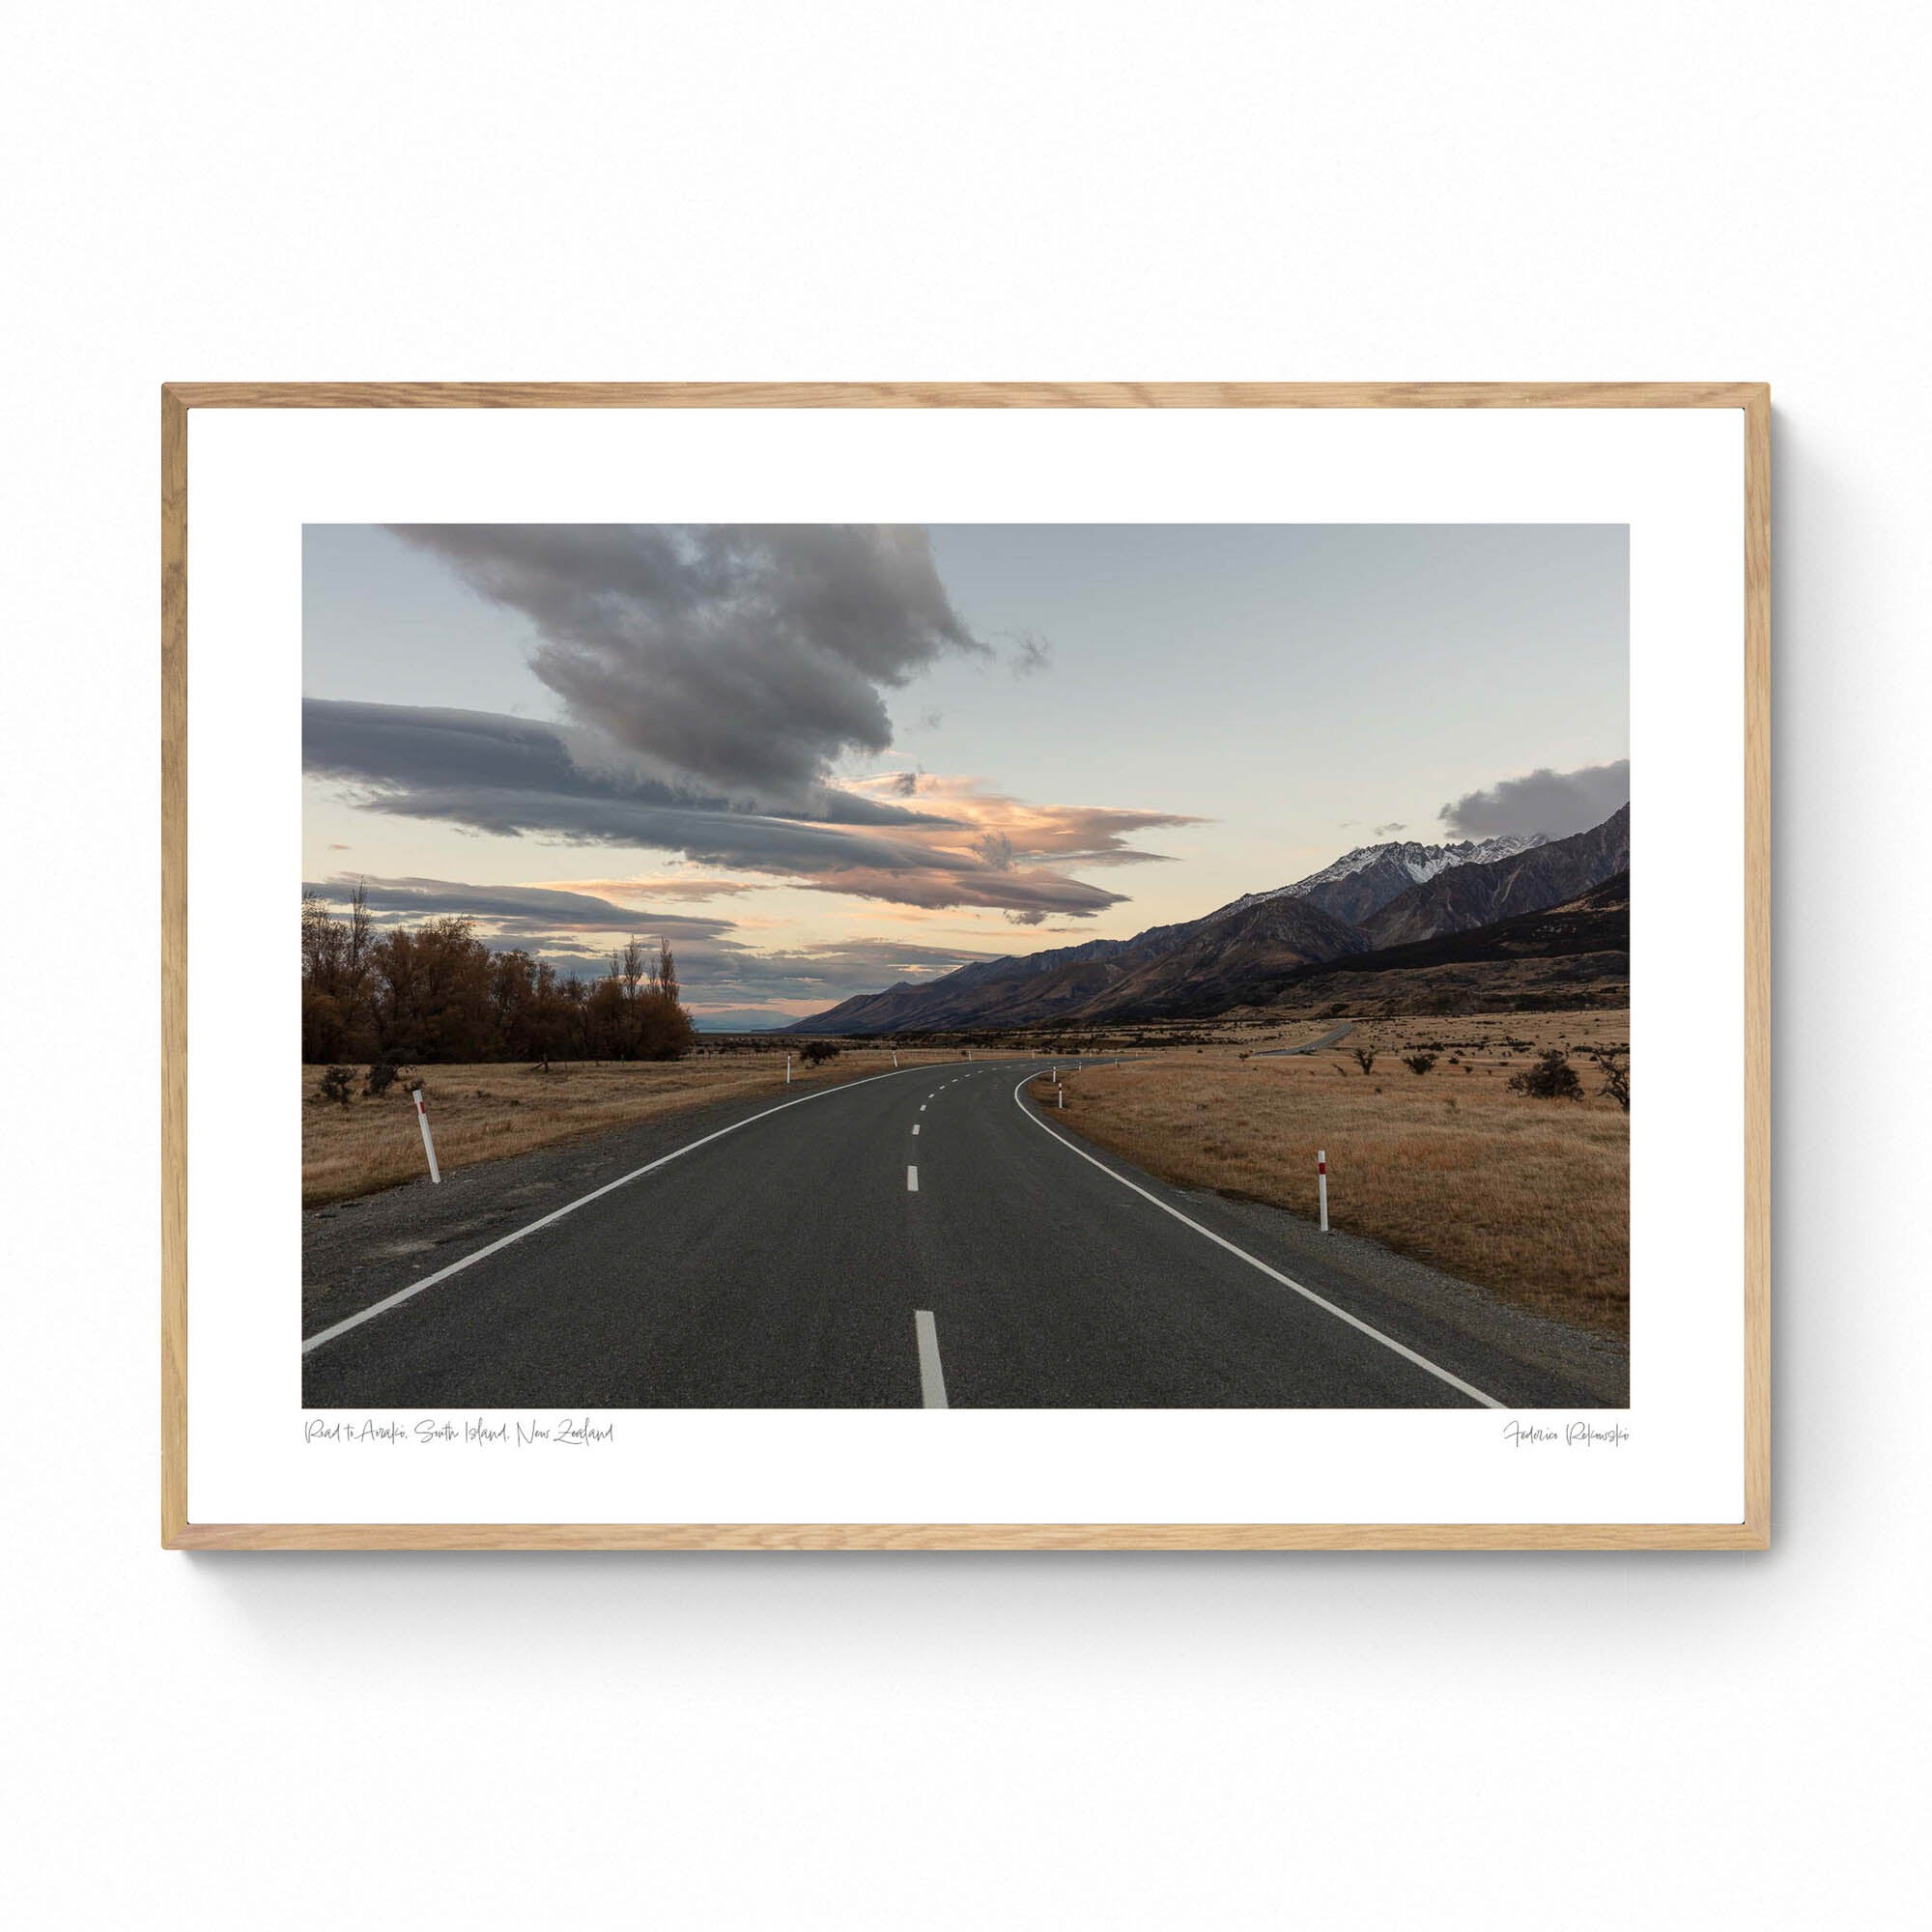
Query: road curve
927, 1238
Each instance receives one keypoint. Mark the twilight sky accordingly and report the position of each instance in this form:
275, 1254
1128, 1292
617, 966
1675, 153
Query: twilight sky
824, 758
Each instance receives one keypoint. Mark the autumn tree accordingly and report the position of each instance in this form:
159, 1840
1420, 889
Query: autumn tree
437, 993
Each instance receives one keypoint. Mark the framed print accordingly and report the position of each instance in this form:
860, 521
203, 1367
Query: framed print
965, 966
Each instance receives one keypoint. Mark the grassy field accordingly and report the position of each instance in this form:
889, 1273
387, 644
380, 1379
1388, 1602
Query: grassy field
484, 1113
1530, 1198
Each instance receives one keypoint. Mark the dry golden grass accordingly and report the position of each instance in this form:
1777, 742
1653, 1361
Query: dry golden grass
484, 1113
1528, 1198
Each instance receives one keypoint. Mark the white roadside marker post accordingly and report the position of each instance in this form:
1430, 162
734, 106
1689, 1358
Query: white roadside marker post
1062, 1099
1321, 1182
787, 1069
895, 1060
429, 1145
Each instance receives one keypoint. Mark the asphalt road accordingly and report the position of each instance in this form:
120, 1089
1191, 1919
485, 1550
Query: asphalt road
1329, 1039
929, 1238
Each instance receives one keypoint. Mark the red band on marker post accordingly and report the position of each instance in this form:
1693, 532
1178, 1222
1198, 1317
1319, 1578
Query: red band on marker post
429, 1145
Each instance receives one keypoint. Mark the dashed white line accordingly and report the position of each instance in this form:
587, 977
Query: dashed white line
915, 1127
931, 1377
912, 1181
1273, 1275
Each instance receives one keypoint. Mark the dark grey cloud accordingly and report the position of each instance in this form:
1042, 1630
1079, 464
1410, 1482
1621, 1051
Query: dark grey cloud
744, 659
940, 888
532, 909
514, 775
1554, 803
1389, 829
490, 757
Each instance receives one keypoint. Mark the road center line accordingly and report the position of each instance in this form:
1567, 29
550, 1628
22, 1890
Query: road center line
1273, 1275
912, 1181
915, 1127
415, 1288
931, 1377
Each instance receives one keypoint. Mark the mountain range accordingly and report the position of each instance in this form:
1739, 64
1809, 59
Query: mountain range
1363, 881
1399, 894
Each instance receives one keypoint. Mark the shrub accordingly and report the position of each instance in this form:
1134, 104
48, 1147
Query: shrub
1419, 1062
336, 1085
1365, 1059
1615, 1070
814, 1052
1549, 1077
382, 1076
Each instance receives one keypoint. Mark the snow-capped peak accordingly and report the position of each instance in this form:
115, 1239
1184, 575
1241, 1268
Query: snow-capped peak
1420, 862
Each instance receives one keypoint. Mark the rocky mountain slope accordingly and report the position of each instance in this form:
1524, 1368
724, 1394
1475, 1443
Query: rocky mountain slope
1467, 897
1571, 956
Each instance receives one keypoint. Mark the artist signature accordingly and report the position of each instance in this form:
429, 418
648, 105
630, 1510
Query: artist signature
1571, 1436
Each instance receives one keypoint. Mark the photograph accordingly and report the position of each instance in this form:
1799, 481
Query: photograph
1136, 966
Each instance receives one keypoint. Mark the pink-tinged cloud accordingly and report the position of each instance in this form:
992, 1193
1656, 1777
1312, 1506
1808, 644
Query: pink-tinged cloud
952, 842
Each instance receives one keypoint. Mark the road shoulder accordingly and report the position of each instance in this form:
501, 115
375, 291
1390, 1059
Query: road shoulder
1454, 1322
356, 1252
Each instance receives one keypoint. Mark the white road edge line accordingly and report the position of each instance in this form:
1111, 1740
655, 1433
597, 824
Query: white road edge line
1273, 1275
912, 1179
931, 1377
415, 1288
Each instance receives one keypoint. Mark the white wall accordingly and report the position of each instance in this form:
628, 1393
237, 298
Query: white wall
1399, 190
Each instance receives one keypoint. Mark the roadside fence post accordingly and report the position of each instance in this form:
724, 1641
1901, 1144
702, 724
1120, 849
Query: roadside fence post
429, 1145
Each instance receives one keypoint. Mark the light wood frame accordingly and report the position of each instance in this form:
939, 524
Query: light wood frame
1753, 1532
